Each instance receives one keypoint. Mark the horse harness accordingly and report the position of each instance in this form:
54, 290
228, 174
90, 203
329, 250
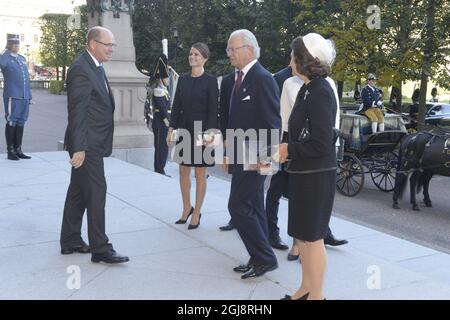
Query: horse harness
409, 151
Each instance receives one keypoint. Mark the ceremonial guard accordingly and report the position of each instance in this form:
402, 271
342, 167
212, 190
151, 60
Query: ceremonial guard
372, 104
16, 96
161, 102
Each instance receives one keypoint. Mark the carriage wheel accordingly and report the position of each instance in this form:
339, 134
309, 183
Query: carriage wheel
384, 175
350, 176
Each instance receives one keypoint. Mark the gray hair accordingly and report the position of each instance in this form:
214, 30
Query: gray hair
248, 39
95, 33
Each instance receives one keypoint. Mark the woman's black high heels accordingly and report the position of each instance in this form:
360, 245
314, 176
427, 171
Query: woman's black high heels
181, 221
293, 257
194, 226
288, 297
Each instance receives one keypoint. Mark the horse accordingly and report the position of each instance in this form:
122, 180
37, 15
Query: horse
422, 154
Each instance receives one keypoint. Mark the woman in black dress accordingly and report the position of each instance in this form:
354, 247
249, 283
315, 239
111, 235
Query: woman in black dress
194, 112
311, 156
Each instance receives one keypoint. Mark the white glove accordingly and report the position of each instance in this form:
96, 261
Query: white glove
166, 122
379, 103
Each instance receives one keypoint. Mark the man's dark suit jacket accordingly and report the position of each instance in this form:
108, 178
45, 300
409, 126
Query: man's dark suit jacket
226, 88
90, 109
256, 105
282, 75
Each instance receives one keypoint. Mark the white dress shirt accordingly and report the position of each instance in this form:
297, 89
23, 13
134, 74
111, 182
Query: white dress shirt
245, 70
98, 64
291, 87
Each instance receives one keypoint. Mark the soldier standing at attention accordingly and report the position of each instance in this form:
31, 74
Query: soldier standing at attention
16, 96
161, 102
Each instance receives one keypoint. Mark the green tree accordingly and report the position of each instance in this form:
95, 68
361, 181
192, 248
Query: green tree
62, 42
212, 22
345, 22
275, 29
393, 51
435, 50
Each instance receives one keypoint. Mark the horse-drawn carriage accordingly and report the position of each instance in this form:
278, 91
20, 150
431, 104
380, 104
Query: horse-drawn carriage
364, 152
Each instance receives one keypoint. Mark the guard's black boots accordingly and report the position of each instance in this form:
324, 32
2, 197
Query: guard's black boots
18, 143
10, 137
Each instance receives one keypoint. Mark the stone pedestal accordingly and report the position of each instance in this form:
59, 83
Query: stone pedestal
127, 83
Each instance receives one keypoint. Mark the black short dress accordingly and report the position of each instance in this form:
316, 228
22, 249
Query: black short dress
196, 100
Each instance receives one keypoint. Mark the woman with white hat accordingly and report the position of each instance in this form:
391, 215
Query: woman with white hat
311, 157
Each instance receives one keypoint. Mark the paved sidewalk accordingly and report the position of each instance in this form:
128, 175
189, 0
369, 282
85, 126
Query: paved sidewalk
170, 262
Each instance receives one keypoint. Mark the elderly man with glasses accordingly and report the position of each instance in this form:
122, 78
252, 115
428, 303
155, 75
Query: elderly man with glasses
254, 106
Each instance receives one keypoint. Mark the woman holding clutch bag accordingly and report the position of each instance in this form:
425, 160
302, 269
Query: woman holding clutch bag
312, 159
196, 100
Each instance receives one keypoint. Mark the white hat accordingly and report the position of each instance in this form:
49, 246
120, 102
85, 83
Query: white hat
320, 48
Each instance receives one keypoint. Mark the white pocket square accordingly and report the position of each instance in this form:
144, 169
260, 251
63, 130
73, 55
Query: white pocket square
246, 98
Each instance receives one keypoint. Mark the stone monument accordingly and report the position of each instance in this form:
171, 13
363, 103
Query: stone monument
127, 83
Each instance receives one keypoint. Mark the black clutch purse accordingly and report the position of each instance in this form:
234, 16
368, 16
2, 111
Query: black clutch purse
305, 134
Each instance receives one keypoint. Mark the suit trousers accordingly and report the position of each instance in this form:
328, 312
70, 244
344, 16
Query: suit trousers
246, 207
87, 191
274, 194
16, 111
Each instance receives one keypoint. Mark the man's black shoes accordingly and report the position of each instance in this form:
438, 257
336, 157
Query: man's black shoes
243, 268
110, 257
258, 271
228, 227
277, 243
81, 248
332, 241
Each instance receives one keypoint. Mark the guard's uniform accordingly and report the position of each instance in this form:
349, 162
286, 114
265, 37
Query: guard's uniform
371, 97
16, 97
372, 104
161, 103
16, 92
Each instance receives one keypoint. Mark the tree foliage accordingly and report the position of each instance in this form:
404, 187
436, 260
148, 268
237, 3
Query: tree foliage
211, 22
395, 51
61, 44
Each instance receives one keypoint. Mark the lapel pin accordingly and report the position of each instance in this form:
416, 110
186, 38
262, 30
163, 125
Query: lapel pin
306, 94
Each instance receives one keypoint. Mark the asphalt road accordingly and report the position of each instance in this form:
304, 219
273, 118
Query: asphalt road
372, 207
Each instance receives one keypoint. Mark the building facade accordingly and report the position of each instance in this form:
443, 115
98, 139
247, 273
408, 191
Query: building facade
22, 17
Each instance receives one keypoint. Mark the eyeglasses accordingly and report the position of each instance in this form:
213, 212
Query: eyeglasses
233, 50
109, 45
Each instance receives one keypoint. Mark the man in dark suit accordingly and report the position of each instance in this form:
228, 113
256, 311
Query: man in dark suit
226, 88
282, 75
255, 106
277, 183
89, 138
